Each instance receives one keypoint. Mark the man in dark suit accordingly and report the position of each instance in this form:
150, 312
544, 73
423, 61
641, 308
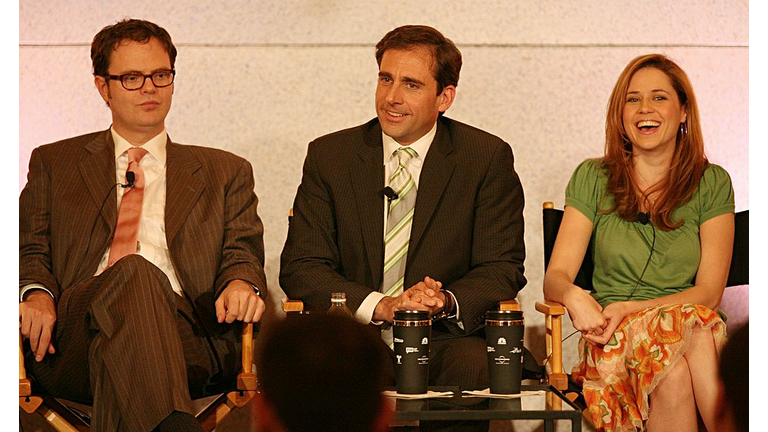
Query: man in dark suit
456, 251
137, 254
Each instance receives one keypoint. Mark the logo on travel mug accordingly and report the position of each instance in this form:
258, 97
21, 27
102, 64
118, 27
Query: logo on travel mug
412, 331
504, 338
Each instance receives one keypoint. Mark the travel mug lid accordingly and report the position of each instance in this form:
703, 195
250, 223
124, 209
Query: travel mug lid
505, 315
411, 315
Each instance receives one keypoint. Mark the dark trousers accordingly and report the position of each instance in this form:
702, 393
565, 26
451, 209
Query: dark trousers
129, 345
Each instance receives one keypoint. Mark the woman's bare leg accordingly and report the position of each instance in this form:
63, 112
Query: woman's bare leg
672, 402
703, 361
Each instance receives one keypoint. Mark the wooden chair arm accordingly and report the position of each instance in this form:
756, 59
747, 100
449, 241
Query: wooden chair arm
247, 355
549, 307
293, 306
553, 321
509, 305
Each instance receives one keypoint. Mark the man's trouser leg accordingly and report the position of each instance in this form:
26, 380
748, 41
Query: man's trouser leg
122, 341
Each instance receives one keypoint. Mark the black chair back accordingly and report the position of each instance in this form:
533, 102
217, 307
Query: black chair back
739, 272
552, 219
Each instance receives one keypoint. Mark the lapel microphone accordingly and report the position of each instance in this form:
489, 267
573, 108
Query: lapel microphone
389, 193
130, 178
644, 218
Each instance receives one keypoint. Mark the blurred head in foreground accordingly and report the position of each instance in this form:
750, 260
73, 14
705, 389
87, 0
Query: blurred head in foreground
321, 372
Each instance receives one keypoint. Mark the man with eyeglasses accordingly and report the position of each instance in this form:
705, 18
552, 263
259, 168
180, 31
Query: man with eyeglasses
137, 254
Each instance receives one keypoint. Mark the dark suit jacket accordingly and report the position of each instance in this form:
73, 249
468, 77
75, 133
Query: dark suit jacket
68, 212
467, 228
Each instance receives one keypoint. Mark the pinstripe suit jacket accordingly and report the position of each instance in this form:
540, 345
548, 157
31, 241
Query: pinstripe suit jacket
68, 211
467, 228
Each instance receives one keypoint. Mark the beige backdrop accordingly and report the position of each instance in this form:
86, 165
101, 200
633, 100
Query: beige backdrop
263, 78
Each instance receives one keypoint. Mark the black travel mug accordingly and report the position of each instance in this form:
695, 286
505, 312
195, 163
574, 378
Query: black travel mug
411, 333
504, 338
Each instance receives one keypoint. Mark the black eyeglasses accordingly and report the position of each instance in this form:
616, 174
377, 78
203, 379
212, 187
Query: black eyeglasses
135, 80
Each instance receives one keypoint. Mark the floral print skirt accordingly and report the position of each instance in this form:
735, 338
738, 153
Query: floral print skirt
617, 378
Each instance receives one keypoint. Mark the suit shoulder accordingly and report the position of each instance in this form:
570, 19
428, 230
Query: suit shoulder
341, 137
475, 144
462, 132
68, 144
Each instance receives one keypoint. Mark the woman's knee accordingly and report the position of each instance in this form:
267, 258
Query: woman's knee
676, 383
702, 342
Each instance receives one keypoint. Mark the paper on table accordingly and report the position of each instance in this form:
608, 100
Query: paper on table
487, 393
429, 394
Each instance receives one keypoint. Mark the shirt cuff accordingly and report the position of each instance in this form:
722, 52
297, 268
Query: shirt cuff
456, 315
33, 286
364, 313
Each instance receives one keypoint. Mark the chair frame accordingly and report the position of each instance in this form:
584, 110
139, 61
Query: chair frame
61, 418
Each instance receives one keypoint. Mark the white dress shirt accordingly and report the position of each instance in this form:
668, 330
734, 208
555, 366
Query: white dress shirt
152, 244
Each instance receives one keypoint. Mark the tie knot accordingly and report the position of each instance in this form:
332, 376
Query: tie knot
135, 154
405, 154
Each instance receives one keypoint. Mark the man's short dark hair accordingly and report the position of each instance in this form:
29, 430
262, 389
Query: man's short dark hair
447, 58
135, 30
322, 372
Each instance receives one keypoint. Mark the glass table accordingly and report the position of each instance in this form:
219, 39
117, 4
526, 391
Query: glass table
549, 406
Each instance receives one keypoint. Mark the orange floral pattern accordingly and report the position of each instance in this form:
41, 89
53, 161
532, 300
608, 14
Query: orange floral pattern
617, 378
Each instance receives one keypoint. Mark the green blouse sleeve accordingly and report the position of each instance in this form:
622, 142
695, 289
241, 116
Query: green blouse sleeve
586, 188
715, 193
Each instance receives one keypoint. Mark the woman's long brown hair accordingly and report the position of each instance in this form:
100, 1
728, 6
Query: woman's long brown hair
688, 162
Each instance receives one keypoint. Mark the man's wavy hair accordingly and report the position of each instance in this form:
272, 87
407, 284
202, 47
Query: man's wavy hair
688, 162
447, 65
105, 41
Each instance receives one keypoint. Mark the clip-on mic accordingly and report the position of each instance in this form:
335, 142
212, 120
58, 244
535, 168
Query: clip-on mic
644, 218
130, 178
389, 193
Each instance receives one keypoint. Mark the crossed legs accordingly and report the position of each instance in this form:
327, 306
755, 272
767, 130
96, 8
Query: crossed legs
691, 383
119, 345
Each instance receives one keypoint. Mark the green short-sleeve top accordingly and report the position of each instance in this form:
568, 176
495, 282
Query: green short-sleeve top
621, 248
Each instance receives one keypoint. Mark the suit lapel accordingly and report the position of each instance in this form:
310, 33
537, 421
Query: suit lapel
367, 178
435, 174
98, 172
183, 188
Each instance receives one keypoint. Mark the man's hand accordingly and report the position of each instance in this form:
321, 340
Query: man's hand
239, 302
429, 294
37, 316
424, 295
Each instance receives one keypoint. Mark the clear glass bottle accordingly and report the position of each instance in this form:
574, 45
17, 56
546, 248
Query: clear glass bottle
339, 305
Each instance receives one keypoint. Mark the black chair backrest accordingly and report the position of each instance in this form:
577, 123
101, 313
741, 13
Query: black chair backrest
739, 272
552, 218
737, 275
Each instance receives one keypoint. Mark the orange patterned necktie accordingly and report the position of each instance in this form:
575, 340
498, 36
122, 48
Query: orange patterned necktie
127, 230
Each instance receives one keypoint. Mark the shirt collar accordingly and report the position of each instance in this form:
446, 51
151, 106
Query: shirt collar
421, 145
155, 146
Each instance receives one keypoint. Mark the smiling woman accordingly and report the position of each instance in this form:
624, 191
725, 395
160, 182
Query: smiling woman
652, 115
660, 217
